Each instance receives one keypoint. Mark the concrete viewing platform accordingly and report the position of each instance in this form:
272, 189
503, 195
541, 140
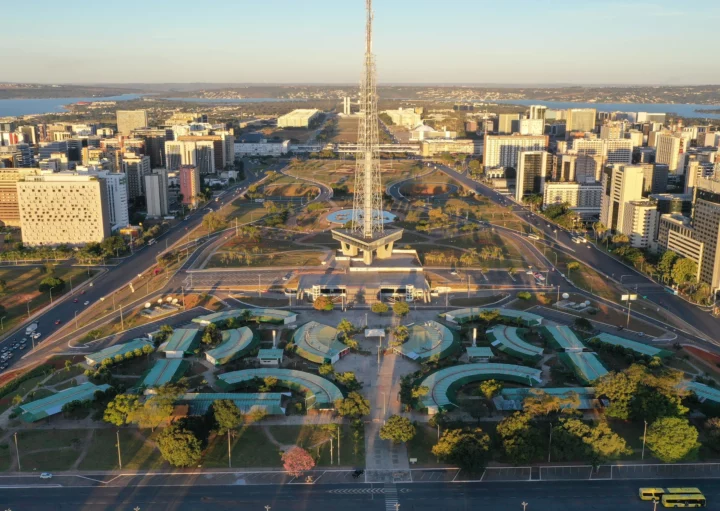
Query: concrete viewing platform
380, 244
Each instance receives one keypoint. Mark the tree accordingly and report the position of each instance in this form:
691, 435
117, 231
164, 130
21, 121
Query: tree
684, 270
120, 408
519, 438
671, 438
539, 402
524, 295
349, 380
51, 283
666, 263
379, 308
572, 265
213, 222
619, 239
353, 406
346, 328
297, 460
620, 389
490, 388
164, 334
157, 409
467, 448
323, 303
712, 432
583, 324
269, 383
420, 391
398, 429
401, 308
179, 446
4, 287
227, 415
326, 369
400, 335
211, 335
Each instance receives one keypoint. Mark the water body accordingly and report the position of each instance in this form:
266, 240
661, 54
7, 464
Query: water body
18, 107
233, 100
685, 110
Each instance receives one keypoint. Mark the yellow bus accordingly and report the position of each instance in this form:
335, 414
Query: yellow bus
657, 493
683, 500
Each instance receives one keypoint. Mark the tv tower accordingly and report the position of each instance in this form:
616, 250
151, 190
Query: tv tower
366, 233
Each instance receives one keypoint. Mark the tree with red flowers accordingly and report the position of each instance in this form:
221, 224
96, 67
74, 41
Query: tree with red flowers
297, 460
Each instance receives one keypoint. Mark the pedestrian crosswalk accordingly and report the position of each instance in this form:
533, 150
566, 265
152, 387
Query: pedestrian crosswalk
391, 498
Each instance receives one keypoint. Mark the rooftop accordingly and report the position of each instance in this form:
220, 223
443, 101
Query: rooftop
52, 405
318, 343
427, 340
234, 344
117, 349
164, 371
270, 402
182, 339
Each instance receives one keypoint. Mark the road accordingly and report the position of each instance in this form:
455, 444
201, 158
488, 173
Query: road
590, 255
115, 277
538, 496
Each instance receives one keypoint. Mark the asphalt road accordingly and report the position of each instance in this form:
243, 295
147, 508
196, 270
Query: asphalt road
117, 276
538, 496
592, 256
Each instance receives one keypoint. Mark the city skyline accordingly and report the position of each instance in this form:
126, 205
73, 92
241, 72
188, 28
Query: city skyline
463, 43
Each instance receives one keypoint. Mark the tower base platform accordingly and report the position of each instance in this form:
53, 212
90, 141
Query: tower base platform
380, 245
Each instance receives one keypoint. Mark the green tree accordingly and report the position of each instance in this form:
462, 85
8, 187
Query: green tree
326, 369
120, 408
401, 308
519, 438
179, 446
269, 383
539, 402
227, 415
349, 380
51, 283
420, 391
712, 432
620, 389
524, 295
398, 429
346, 328
671, 438
666, 263
684, 270
213, 222
4, 287
466, 448
211, 335
490, 388
583, 324
323, 303
572, 265
353, 406
164, 334
158, 408
400, 335
379, 308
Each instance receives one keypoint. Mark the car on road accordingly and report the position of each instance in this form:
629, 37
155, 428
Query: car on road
75, 300
86, 303
46, 475
57, 321
287, 276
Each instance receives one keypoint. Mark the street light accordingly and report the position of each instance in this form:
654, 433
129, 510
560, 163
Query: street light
524, 505
643, 447
1, 323
629, 298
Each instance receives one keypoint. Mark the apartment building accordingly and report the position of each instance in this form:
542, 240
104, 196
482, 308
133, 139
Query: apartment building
156, 193
58, 209
621, 184
640, 224
668, 148
129, 120
135, 168
581, 119
583, 199
531, 173
9, 208
189, 177
676, 233
503, 150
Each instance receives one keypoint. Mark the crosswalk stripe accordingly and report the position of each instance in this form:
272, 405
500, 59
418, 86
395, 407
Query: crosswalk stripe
391, 497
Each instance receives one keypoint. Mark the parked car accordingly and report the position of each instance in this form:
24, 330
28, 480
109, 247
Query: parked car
46, 475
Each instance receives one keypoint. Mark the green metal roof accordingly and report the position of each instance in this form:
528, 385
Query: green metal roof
164, 371
463, 315
52, 405
704, 392
479, 352
507, 339
446, 381
324, 392
270, 402
638, 347
182, 339
236, 343
563, 337
586, 365
270, 353
117, 349
317, 342
259, 314
426, 340
512, 399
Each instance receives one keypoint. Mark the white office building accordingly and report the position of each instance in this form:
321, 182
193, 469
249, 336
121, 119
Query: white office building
621, 184
581, 198
261, 148
502, 150
156, 193
640, 224
532, 126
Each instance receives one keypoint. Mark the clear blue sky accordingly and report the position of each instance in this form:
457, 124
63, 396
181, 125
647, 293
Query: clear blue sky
321, 41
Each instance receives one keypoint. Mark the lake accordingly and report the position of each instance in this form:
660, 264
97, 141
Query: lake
17, 107
685, 110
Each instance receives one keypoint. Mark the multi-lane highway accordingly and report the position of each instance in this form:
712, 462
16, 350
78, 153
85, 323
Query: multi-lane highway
537, 496
589, 254
116, 276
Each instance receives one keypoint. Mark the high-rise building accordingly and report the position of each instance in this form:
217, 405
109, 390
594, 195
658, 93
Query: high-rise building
48, 148
581, 119
651, 117
621, 184
656, 177
502, 150
117, 197
612, 130
640, 224
128, 120
156, 193
531, 173
676, 233
135, 168
636, 137
204, 152
583, 199
63, 209
669, 147
566, 167
706, 221
538, 112
155, 139
9, 209
508, 124
532, 126
189, 177
618, 150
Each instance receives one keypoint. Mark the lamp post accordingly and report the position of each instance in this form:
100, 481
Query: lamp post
28, 308
2, 327
524, 505
629, 298
17, 451
117, 436
642, 457
51, 296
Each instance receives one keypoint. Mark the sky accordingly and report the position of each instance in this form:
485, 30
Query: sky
662, 42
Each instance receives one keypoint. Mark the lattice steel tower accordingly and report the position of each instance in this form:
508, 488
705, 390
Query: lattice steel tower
367, 204
366, 232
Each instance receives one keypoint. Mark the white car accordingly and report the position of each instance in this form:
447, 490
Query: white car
46, 475
86, 304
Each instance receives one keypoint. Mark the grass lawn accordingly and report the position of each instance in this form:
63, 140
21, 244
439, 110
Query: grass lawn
61, 375
294, 258
309, 436
23, 282
38, 394
24, 388
245, 211
58, 449
135, 452
419, 447
142, 455
250, 448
